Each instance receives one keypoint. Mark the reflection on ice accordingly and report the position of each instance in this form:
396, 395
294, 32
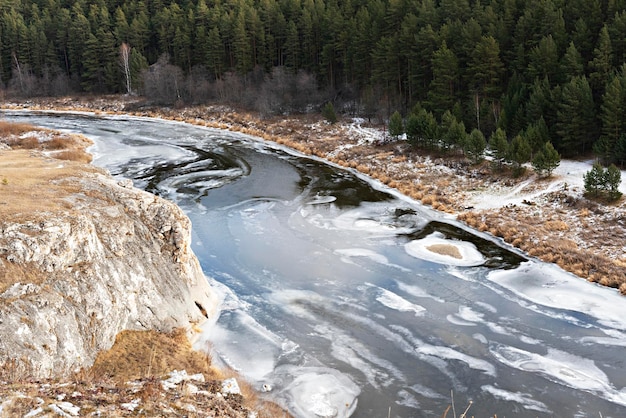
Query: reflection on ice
438, 249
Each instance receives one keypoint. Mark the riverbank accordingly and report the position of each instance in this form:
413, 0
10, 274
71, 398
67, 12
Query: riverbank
548, 218
100, 294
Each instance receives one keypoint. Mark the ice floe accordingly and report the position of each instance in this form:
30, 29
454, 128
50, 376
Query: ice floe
438, 249
561, 367
548, 285
318, 392
524, 399
397, 302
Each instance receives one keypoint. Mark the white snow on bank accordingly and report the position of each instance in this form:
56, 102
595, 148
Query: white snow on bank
569, 175
420, 248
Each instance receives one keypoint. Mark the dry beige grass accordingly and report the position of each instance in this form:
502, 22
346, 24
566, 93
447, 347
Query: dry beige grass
31, 184
150, 354
139, 354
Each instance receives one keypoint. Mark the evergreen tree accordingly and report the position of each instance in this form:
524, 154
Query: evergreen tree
328, 112
613, 114
519, 154
594, 180
544, 60
396, 126
474, 146
499, 148
421, 128
442, 92
546, 160
572, 63
613, 178
576, 122
453, 133
601, 65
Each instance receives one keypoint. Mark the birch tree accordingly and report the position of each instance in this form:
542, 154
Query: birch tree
125, 66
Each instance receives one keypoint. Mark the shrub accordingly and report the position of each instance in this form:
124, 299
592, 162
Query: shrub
328, 112
603, 182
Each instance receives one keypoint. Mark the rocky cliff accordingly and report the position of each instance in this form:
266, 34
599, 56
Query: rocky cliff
112, 258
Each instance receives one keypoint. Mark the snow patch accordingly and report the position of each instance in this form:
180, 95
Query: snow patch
440, 250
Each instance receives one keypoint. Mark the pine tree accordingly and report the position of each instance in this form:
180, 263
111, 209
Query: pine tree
576, 121
519, 154
613, 178
572, 63
544, 60
442, 92
328, 112
474, 146
546, 160
396, 126
613, 114
421, 128
594, 179
602, 64
499, 147
453, 133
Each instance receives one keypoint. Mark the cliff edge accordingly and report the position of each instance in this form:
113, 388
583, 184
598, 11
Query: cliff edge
83, 257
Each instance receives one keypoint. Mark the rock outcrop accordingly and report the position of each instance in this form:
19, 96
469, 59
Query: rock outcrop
118, 258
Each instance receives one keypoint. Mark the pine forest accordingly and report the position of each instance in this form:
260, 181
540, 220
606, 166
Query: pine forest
535, 71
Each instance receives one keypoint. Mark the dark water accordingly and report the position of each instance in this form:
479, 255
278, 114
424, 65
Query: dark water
332, 298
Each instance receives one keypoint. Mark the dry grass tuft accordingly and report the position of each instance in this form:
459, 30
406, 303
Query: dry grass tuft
138, 354
556, 226
11, 273
10, 128
57, 143
74, 155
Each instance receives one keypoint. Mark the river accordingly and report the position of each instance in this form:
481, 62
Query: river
343, 298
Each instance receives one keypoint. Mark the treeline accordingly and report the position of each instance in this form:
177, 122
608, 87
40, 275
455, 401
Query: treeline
549, 70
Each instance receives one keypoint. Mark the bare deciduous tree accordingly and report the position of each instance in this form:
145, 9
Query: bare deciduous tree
125, 65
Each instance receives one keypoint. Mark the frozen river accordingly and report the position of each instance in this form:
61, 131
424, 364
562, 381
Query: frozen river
346, 299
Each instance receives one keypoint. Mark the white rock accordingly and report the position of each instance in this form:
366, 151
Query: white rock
112, 266
32, 413
130, 406
230, 386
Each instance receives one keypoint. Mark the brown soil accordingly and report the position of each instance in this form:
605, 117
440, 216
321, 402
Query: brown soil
445, 249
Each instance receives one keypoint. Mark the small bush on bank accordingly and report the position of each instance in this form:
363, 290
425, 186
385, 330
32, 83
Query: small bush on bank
603, 183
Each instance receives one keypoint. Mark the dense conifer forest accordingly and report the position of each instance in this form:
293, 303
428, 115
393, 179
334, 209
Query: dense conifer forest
538, 70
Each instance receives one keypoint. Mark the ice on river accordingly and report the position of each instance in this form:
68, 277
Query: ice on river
548, 285
440, 250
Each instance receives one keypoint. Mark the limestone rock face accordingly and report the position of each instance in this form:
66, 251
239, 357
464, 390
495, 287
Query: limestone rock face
118, 258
